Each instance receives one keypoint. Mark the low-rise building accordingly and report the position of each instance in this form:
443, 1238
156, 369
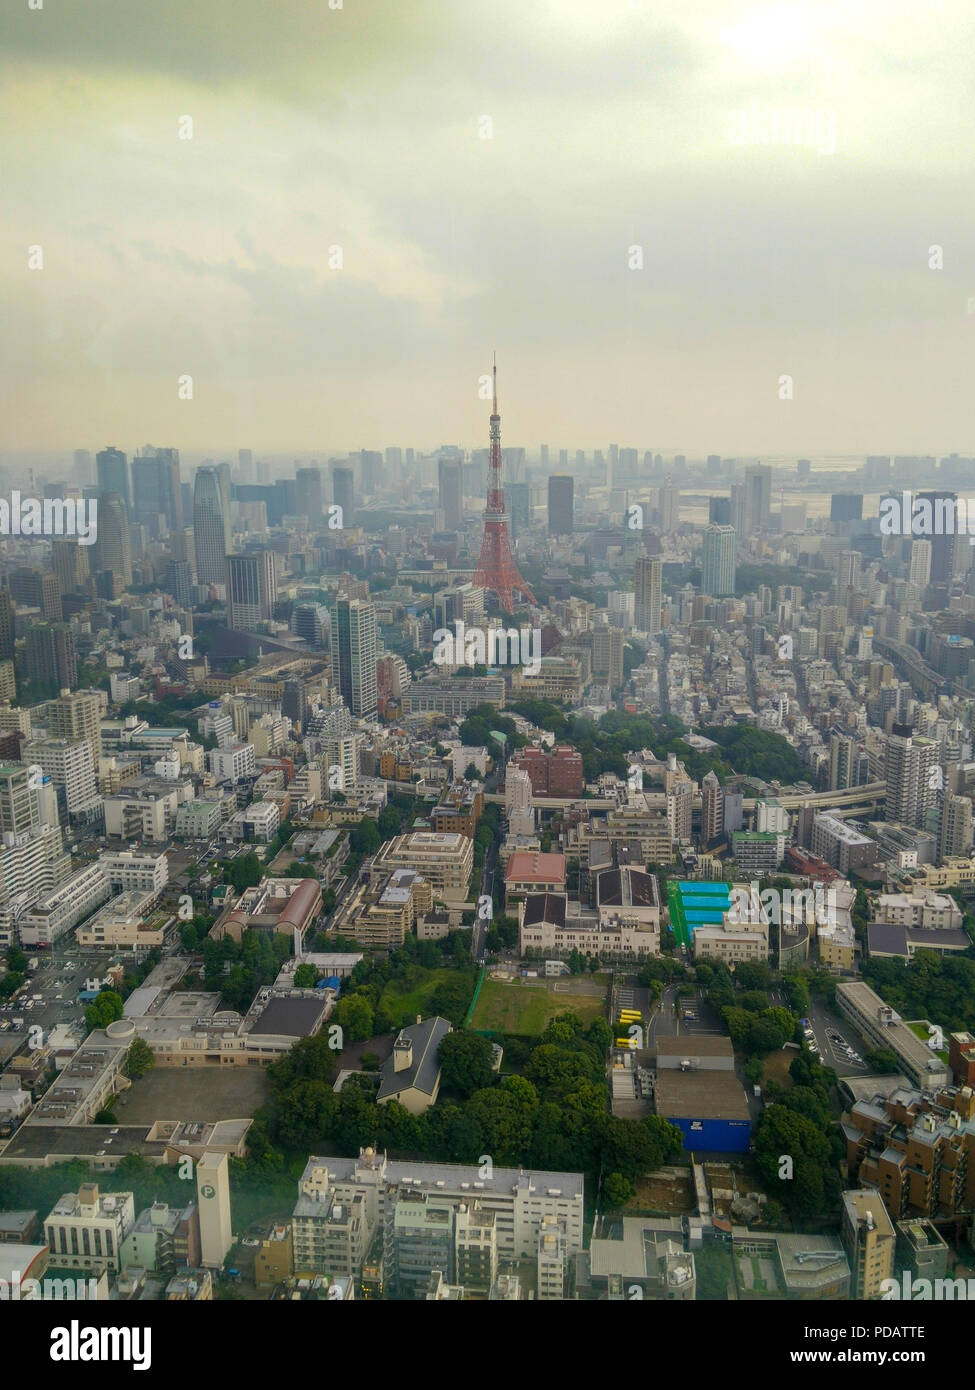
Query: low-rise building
86, 1229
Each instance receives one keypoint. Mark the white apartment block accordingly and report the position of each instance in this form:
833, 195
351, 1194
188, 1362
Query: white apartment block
85, 1230
918, 909
195, 820
233, 763
257, 823
70, 767
126, 923
57, 912
129, 870
444, 859
146, 812
343, 1201
31, 864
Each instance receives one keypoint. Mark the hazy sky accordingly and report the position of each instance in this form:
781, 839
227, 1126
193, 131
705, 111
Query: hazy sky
615, 124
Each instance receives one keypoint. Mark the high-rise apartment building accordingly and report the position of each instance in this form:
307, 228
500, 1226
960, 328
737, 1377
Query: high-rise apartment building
211, 527
69, 562
18, 805
869, 1239
712, 810
309, 495
648, 587
913, 776
758, 497
718, 561
77, 715
354, 649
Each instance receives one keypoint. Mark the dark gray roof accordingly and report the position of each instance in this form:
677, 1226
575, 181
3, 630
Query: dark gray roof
291, 1018
944, 939
886, 940
627, 887
424, 1071
545, 907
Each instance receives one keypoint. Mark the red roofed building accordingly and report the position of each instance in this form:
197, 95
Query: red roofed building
558, 773
529, 872
801, 861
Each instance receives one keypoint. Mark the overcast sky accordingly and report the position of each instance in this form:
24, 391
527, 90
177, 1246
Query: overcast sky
616, 124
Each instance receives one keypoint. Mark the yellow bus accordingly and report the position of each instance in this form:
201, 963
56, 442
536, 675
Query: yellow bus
630, 1016
627, 1043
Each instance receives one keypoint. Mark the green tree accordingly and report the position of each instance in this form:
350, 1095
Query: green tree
139, 1059
617, 1191
354, 1015
465, 1063
306, 976
105, 1009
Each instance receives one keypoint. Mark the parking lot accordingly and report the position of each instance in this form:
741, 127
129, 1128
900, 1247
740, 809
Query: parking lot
834, 1042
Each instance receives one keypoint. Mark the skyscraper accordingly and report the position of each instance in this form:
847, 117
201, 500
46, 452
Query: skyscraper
712, 809
719, 511
156, 490
354, 654
912, 775
211, 528
943, 540
251, 590
112, 551
18, 805
669, 509
34, 588
343, 494
921, 563
560, 505
113, 474
450, 475
718, 561
308, 488
6, 625
50, 656
648, 586
76, 714
758, 497
69, 561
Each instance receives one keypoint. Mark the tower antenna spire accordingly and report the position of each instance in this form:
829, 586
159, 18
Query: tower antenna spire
495, 383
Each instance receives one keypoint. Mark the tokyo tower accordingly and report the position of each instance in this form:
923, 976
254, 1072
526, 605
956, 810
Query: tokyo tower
496, 569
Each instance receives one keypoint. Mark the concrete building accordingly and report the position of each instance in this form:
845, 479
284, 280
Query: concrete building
885, 1029
869, 1240
233, 763
213, 1198
411, 1074
445, 861
57, 912
86, 1230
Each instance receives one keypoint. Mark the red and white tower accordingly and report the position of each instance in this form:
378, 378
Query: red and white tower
496, 569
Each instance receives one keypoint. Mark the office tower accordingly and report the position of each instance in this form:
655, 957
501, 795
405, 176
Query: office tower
181, 545
308, 622
69, 561
354, 654
648, 596
758, 497
343, 494
211, 528
112, 550
543, 455
156, 489
213, 1197
308, 490
77, 715
294, 702
718, 561
843, 761
955, 834
18, 804
803, 467
50, 656
560, 505
82, 465
712, 810
736, 501
371, 463
869, 1240
921, 563
34, 588
113, 475
518, 500
252, 590
607, 655
6, 625
943, 540
179, 582
719, 511
450, 483
563, 458
714, 467
846, 506
912, 775
669, 509
394, 462
496, 570
245, 465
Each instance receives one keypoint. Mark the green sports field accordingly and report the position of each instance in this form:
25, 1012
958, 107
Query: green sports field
526, 1008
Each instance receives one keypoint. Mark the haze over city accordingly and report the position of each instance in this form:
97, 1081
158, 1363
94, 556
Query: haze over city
612, 127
